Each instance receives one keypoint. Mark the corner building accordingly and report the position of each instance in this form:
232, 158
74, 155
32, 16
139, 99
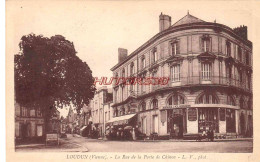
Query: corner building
210, 86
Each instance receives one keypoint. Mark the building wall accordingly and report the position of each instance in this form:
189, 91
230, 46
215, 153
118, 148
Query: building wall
190, 84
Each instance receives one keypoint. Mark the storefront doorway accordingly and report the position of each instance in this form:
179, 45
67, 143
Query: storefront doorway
176, 123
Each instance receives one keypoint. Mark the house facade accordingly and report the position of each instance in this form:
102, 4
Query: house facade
29, 123
209, 71
99, 108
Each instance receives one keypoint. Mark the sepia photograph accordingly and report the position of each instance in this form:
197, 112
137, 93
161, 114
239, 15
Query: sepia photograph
124, 77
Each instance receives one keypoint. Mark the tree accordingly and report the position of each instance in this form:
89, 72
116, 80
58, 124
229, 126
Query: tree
49, 75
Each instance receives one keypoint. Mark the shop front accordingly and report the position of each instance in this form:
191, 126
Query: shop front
184, 119
122, 127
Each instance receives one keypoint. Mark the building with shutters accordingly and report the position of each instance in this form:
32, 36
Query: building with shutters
29, 124
209, 66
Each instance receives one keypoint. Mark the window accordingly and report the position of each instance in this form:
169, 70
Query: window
176, 99
242, 103
143, 106
175, 48
24, 111
239, 54
39, 113
229, 71
208, 118
228, 48
175, 73
206, 71
132, 66
230, 100
247, 58
123, 73
154, 104
154, 55
205, 43
143, 63
207, 99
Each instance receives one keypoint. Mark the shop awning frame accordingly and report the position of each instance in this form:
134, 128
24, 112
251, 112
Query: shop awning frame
121, 119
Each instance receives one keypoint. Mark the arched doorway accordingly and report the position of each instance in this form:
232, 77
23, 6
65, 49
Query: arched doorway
176, 124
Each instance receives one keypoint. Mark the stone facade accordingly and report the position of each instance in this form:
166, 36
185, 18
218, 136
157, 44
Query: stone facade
209, 67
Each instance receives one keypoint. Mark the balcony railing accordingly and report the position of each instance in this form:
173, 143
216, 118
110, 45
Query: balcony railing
198, 80
191, 81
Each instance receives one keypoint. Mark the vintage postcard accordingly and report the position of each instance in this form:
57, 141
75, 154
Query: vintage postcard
134, 80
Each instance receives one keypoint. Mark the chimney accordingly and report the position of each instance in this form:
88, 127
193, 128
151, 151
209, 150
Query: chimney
241, 31
164, 22
122, 54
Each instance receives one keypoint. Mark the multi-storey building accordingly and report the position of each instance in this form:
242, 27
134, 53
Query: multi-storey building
102, 96
29, 123
209, 66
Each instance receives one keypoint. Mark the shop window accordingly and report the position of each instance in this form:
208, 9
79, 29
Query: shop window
206, 71
176, 100
154, 104
208, 119
230, 121
207, 99
175, 73
230, 100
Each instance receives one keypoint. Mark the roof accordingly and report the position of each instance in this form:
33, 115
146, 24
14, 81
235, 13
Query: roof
183, 24
188, 19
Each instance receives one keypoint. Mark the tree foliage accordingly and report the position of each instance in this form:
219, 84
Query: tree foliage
49, 74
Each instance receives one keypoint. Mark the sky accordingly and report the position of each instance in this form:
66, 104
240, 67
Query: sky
98, 29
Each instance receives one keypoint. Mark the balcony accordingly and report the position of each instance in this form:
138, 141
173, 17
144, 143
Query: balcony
215, 80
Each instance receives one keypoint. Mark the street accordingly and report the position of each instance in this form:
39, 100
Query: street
83, 144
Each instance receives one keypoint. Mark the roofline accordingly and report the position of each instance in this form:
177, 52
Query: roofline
184, 17
183, 27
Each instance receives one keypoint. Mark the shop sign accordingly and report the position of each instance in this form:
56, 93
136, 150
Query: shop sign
192, 114
176, 106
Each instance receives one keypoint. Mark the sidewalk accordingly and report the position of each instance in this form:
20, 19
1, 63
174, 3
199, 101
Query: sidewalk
64, 145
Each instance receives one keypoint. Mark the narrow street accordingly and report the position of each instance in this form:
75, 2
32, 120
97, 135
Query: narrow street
96, 145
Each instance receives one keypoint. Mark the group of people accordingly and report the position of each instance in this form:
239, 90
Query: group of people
122, 134
208, 134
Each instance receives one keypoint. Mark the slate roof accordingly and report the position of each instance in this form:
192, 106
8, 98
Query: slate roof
188, 19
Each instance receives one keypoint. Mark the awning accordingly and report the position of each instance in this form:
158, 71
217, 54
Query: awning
84, 127
121, 119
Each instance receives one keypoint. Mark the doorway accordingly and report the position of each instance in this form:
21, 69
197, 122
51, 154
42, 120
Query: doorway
177, 126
